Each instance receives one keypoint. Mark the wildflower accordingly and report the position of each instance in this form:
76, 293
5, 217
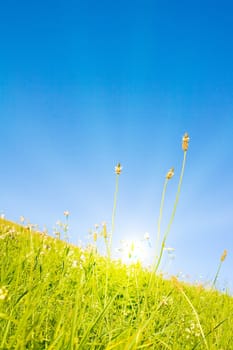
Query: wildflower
147, 236
185, 142
223, 257
192, 330
96, 226
29, 227
57, 234
46, 246
82, 257
3, 293
22, 219
75, 264
169, 249
66, 213
170, 174
118, 169
166, 301
2, 216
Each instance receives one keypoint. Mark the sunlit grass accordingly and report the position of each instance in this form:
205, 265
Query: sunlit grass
54, 295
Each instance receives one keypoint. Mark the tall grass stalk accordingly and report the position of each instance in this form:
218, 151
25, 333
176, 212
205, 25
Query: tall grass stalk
157, 263
223, 257
118, 169
179, 287
160, 218
108, 244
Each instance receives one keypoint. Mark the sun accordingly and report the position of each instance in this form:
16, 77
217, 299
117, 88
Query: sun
134, 250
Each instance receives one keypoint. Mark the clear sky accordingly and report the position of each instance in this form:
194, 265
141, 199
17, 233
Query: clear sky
87, 84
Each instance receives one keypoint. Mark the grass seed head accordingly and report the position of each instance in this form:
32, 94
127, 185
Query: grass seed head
66, 213
170, 174
105, 234
185, 142
118, 169
224, 254
95, 236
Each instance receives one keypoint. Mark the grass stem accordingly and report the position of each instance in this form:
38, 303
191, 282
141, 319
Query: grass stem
113, 216
157, 263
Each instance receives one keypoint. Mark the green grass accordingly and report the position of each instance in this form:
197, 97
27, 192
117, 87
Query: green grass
57, 296
54, 295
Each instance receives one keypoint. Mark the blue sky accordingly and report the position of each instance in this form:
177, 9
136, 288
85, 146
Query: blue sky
86, 84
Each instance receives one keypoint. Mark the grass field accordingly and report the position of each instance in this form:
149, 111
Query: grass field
54, 295
57, 296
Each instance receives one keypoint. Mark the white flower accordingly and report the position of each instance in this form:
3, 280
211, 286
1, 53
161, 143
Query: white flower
22, 219
147, 236
169, 250
75, 264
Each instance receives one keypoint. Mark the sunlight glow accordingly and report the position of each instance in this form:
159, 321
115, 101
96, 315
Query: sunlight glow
134, 250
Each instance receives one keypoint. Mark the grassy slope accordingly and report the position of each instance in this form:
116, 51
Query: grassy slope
57, 296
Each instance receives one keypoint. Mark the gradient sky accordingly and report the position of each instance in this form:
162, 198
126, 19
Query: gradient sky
87, 84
